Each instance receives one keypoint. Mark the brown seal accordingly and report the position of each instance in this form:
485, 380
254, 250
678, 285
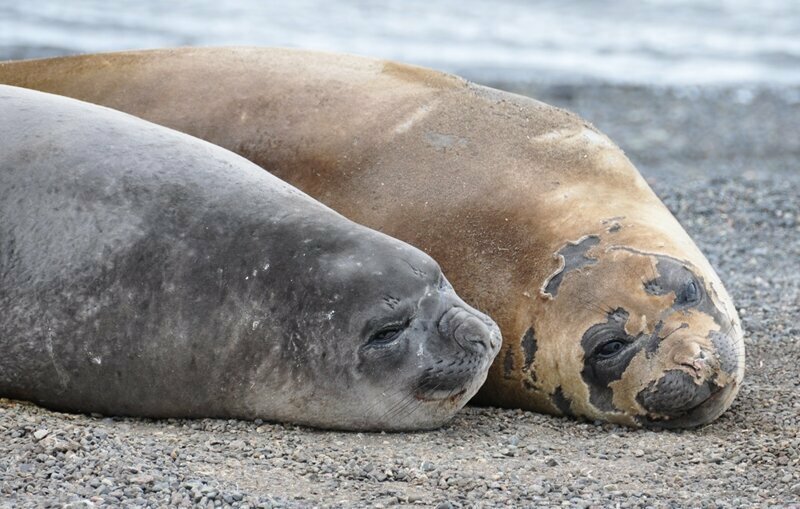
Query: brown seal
607, 307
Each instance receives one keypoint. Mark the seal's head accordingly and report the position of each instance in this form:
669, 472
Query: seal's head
635, 336
397, 348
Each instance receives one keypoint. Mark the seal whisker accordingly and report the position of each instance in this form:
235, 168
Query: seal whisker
592, 302
398, 408
403, 403
392, 407
381, 401
653, 272
673, 331
728, 331
594, 305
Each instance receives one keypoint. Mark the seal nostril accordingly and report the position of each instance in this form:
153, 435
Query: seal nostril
495, 339
699, 361
467, 335
694, 370
466, 329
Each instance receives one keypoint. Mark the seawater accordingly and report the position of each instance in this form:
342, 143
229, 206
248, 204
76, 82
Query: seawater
629, 41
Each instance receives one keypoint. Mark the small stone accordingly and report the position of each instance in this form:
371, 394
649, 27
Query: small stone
638, 453
192, 485
141, 479
40, 434
538, 489
131, 492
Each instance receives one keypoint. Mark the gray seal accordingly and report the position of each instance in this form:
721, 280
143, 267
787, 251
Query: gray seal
144, 272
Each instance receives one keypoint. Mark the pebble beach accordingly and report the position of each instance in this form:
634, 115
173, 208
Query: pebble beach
724, 159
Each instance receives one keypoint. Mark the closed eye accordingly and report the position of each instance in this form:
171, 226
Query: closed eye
610, 348
388, 334
688, 294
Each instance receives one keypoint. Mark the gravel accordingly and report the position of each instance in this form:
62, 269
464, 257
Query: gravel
724, 160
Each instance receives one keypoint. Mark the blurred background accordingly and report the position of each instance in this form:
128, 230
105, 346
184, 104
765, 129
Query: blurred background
631, 41
696, 88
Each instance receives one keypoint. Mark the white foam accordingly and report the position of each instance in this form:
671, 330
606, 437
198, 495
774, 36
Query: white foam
656, 41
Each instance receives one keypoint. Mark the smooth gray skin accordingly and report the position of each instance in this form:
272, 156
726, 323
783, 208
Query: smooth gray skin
144, 272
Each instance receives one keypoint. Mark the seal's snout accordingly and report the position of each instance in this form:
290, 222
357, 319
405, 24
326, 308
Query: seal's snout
676, 393
696, 390
703, 379
471, 331
693, 404
699, 363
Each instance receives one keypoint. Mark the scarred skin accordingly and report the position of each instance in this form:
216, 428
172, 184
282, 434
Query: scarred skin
494, 186
145, 272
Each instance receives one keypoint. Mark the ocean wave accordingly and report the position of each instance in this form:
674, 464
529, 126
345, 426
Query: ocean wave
655, 41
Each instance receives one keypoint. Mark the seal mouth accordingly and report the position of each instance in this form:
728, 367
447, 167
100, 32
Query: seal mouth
702, 413
449, 384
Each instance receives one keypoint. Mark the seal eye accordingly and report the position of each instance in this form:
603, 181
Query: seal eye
610, 349
386, 335
689, 294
